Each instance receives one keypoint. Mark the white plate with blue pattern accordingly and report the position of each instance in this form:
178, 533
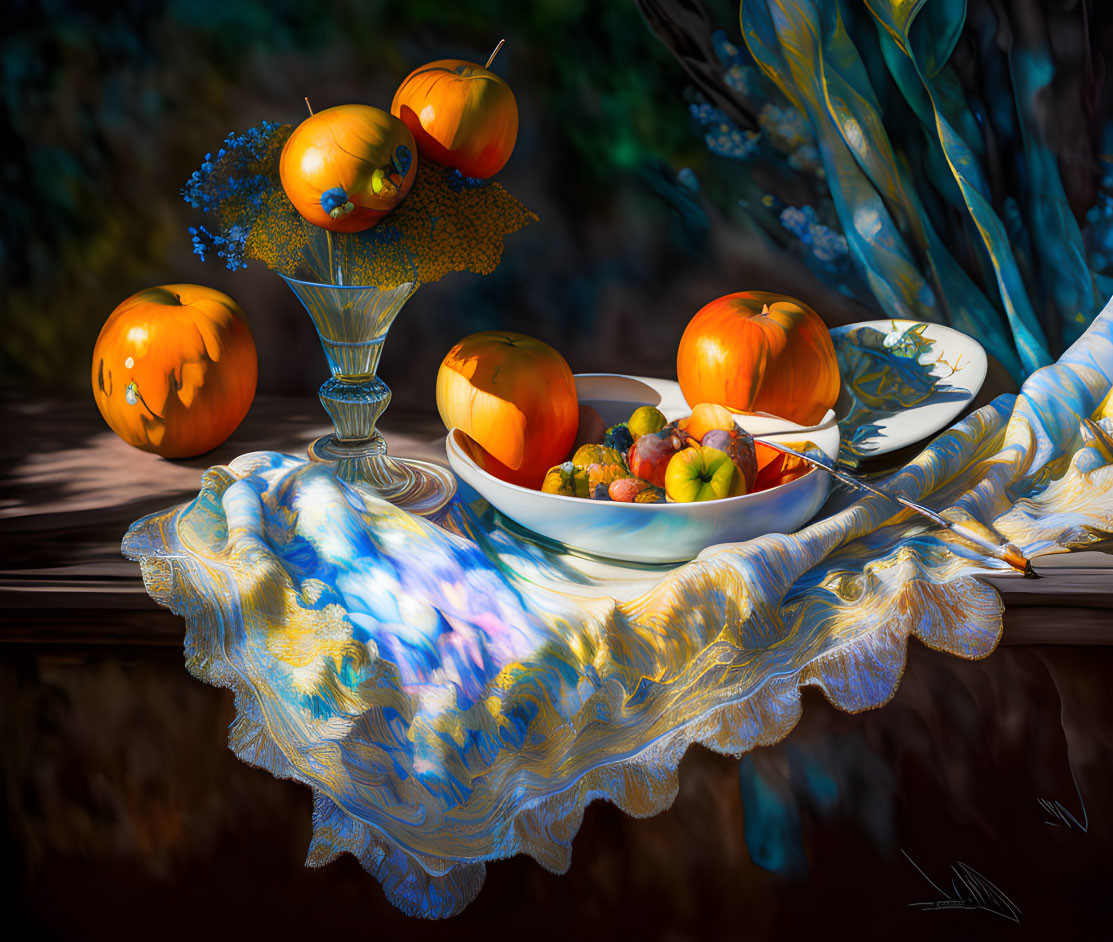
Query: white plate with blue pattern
902, 381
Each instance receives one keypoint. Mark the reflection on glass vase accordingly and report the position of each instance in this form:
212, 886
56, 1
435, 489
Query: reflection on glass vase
352, 322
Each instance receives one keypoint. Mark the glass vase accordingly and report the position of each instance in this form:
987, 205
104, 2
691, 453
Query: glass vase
352, 322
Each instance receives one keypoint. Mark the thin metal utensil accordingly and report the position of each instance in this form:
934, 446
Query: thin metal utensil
1006, 552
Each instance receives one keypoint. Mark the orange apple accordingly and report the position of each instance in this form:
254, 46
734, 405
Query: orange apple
462, 115
515, 396
346, 167
174, 369
756, 351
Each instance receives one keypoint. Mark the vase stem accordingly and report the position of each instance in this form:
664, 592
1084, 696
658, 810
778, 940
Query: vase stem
352, 322
354, 407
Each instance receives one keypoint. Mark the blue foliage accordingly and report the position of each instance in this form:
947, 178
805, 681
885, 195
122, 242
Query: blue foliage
728, 53
896, 150
739, 76
1099, 233
383, 234
825, 244
231, 183
681, 190
723, 136
230, 247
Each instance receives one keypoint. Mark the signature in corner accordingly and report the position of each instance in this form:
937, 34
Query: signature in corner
1062, 817
971, 890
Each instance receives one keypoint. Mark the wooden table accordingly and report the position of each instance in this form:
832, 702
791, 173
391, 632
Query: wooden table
125, 813
70, 489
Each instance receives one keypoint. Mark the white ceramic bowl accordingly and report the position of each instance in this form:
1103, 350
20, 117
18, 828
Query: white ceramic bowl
655, 533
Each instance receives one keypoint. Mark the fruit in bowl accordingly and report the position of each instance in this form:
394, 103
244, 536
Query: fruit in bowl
756, 351
775, 468
700, 472
640, 523
741, 448
588, 473
632, 490
698, 457
649, 456
618, 437
565, 479
707, 417
645, 421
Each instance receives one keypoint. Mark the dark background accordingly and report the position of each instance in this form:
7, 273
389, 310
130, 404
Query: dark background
110, 108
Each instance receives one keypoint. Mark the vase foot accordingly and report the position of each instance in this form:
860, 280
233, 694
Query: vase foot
419, 487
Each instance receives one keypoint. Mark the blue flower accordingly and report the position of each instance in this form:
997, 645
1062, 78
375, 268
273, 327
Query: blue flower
728, 140
727, 52
706, 114
234, 187
721, 135
806, 158
826, 245
743, 79
785, 126
1098, 232
333, 198
457, 181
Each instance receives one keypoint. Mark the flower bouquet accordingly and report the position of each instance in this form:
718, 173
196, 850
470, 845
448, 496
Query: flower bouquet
355, 208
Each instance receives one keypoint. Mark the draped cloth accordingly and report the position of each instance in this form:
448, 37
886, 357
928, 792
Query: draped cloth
454, 694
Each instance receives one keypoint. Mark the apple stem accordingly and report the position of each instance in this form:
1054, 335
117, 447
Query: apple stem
309, 106
495, 53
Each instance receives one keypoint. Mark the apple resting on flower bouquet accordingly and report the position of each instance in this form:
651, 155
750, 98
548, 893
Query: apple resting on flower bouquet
346, 167
461, 114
